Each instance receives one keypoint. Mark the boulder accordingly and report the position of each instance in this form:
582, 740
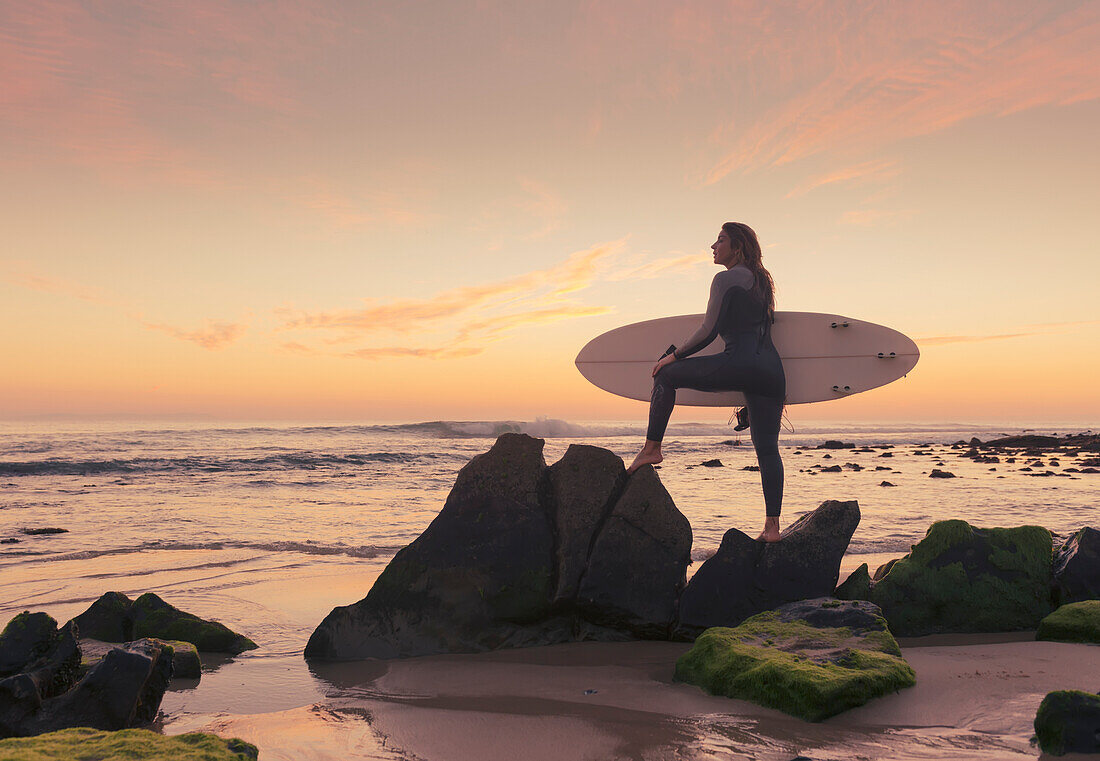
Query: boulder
812, 659
186, 663
135, 744
26, 638
745, 577
585, 482
480, 572
1068, 721
522, 554
1074, 622
122, 690
107, 619
1077, 568
965, 579
638, 563
153, 617
857, 586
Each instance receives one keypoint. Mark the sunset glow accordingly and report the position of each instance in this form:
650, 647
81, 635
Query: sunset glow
392, 211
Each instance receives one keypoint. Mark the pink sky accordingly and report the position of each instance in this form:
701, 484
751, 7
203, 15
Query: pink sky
400, 211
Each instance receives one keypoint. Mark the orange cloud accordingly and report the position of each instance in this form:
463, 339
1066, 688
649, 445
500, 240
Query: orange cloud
213, 335
864, 172
940, 340
59, 286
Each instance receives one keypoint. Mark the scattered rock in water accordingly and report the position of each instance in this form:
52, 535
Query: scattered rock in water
732, 442
115, 618
711, 464
853, 466
887, 483
812, 659
832, 469
881, 467
1073, 622
887, 454
836, 445
826, 456
39, 531
965, 579
9, 540
745, 577
1077, 568
1068, 721
941, 474
135, 744
751, 467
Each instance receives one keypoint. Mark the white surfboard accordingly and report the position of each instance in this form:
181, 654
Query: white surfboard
825, 356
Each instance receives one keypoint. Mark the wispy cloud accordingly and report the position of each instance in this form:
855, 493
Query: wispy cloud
940, 340
879, 169
662, 267
212, 335
24, 277
390, 352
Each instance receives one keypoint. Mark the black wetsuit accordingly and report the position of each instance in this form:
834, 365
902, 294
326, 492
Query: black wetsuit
750, 364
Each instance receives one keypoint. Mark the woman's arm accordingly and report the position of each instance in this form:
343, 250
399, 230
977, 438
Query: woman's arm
706, 333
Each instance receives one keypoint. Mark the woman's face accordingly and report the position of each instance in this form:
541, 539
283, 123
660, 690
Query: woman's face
723, 253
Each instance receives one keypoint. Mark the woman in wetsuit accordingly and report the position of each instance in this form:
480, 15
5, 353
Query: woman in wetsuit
741, 309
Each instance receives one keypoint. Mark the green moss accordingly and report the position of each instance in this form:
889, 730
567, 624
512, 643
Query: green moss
1075, 622
1066, 721
155, 618
93, 744
813, 673
963, 579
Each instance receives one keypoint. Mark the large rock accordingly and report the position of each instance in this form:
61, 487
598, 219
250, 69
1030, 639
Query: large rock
33, 647
812, 659
186, 663
122, 690
638, 563
114, 617
26, 637
965, 579
478, 575
1075, 622
1077, 568
746, 577
522, 554
584, 483
1068, 721
132, 744
153, 617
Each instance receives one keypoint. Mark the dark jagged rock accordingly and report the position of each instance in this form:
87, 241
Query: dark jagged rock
186, 663
122, 690
584, 483
887, 483
941, 474
857, 586
832, 469
964, 579
48, 530
711, 464
107, 619
1068, 721
812, 659
26, 638
884, 569
1077, 568
481, 571
522, 554
644, 538
836, 445
746, 577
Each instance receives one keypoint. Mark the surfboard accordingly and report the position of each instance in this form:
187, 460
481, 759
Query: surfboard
825, 357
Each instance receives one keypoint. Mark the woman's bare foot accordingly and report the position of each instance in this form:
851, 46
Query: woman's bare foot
771, 530
650, 455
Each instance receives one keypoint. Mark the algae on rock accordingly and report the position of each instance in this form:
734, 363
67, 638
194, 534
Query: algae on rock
812, 659
136, 744
965, 579
1075, 622
1068, 721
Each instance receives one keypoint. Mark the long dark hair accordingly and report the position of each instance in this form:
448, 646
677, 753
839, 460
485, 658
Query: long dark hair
743, 240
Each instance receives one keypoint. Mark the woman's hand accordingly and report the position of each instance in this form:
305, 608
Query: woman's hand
668, 359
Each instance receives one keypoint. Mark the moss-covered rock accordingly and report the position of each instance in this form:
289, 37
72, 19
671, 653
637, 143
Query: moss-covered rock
107, 619
136, 744
965, 579
857, 586
155, 618
812, 659
26, 638
1068, 721
1076, 622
